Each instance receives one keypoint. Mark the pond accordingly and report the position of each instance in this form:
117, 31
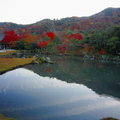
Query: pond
69, 89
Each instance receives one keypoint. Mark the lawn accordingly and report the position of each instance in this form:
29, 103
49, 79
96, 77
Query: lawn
2, 117
11, 63
7, 52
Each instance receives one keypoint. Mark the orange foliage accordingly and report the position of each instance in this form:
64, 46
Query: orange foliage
88, 47
102, 51
29, 38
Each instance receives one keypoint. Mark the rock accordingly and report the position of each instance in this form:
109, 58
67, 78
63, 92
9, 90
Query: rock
44, 59
109, 118
35, 62
48, 60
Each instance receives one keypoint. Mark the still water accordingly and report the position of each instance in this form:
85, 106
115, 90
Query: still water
69, 89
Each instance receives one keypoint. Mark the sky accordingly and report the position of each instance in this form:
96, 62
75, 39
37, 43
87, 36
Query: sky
31, 11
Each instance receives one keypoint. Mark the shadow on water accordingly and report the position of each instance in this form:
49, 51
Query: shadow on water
101, 78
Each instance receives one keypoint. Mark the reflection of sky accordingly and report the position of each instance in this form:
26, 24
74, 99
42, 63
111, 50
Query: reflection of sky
23, 90
25, 79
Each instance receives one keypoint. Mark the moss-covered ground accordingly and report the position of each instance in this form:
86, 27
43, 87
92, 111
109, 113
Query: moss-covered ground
7, 64
2, 117
8, 52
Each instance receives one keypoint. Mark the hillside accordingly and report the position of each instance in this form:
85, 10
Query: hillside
99, 21
99, 33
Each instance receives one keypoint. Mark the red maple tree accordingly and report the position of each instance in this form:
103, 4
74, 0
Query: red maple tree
51, 35
43, 44
10, 36
75, 36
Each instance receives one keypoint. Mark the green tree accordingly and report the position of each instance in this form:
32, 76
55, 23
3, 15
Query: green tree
31, 46
113, 45
20, 44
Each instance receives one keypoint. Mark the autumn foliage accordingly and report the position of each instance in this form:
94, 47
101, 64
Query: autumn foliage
10, 36
29, 38
43, 44
102, 51
76, 36
51, 35
88, 47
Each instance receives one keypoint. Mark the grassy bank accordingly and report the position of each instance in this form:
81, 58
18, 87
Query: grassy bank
8, 52
2, 117
7, 64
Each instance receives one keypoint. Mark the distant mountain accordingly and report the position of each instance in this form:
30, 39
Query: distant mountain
99, 21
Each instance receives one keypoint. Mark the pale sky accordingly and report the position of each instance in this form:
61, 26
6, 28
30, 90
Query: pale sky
30, 11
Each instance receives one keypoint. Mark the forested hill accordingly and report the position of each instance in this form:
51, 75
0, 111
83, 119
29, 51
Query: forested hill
100, 21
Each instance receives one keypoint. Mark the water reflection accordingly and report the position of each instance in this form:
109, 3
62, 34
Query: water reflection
102, 78
43, 92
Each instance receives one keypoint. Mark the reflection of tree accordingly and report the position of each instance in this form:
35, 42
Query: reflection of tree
103, 79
